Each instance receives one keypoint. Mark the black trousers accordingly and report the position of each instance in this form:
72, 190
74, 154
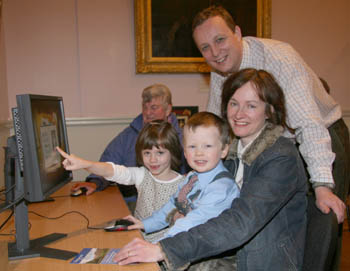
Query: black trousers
339, 133
341, 166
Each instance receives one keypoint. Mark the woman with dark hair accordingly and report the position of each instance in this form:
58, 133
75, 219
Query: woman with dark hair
266, 225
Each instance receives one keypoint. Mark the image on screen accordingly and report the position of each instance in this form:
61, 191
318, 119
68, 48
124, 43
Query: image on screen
49, 132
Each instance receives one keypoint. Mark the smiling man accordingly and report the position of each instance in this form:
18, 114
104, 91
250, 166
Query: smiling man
311, 111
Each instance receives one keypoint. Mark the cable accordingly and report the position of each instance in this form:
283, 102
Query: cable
50, 218
7, 219
12, 203
3, 191
71, 212
63, 196
3, 224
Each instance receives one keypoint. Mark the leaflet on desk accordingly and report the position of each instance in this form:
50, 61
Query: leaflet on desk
96, 256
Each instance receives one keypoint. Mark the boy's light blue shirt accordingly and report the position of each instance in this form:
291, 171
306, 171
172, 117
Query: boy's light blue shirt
214, 198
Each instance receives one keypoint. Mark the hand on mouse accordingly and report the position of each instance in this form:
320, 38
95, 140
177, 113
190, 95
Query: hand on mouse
91, 187
137, 223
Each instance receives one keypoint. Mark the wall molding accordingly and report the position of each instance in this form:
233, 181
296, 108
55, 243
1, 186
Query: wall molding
8, 124
98, 121
346, 113
89, 121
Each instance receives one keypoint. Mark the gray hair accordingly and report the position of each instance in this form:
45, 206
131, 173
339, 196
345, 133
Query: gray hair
155, 91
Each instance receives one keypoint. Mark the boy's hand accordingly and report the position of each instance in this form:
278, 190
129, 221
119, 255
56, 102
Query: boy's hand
137, 223
72, 162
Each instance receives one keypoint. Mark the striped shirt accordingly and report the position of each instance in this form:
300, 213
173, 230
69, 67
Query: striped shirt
310, 110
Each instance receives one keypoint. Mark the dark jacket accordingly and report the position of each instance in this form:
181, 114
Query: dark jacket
267, 223
121, 151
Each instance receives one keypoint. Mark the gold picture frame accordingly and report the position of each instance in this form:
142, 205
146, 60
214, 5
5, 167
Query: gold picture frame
147, 63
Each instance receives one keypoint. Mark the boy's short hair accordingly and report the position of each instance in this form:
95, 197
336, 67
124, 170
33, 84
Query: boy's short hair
159, 133
155, 91
208, 119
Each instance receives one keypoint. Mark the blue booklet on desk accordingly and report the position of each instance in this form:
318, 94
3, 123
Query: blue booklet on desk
96, 256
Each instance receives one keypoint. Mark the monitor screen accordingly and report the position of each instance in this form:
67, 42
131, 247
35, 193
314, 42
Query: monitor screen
40, 127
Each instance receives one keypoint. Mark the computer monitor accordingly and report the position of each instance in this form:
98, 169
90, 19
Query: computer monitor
39, 125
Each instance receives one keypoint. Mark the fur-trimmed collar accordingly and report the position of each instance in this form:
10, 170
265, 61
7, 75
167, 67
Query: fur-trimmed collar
267, 138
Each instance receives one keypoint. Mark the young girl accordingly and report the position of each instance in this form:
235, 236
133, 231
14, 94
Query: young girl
158, 152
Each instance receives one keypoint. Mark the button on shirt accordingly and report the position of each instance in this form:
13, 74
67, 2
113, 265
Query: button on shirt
214, 198
310, 110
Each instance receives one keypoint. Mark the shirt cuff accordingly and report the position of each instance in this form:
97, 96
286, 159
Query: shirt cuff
101, 184
112, 177
147, 225
318, 184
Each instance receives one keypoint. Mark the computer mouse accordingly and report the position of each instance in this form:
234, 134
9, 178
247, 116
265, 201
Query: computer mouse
119, 225
80, 191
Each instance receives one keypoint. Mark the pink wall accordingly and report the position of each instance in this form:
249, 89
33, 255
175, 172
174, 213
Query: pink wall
41, 50
3, 81
84, 51
320, 31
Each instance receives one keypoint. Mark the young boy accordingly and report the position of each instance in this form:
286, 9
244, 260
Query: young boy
207, 190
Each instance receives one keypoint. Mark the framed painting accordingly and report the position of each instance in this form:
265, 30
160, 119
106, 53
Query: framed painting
183, 113
163, 31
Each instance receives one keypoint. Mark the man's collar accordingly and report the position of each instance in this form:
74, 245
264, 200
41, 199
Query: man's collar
245, 55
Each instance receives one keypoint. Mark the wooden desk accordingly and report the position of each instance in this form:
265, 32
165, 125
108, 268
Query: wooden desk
99, 207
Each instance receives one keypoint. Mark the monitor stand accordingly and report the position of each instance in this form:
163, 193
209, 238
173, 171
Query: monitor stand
23, 247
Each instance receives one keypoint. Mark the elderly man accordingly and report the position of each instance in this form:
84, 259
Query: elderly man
156, 104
